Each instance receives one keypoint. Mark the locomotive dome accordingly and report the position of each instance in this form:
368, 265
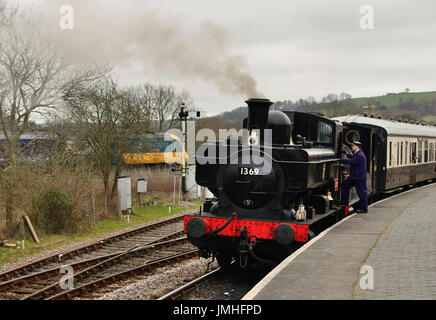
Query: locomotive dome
280, 124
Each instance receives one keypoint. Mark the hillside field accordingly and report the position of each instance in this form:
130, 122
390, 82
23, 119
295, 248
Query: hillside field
393, 100
418, 105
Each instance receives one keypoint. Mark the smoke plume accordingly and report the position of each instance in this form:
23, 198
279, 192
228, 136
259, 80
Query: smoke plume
146, 36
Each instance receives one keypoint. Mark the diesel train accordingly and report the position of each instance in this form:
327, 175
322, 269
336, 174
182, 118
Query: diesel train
264, 215
153, 149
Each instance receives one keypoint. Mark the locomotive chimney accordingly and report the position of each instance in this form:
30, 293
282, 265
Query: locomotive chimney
258, 113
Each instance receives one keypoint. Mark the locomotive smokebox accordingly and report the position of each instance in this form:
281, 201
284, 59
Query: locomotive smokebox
258, 113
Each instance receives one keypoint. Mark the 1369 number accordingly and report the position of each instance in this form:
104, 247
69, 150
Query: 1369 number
250, 171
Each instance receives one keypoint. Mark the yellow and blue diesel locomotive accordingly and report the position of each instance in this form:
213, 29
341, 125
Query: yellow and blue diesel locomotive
153, 149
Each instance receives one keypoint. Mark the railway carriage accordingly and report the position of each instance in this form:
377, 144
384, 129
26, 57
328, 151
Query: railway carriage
398, 153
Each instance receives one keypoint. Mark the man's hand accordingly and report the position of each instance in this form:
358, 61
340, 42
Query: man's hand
344, 152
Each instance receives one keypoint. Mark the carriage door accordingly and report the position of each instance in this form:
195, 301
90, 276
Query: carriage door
375, 146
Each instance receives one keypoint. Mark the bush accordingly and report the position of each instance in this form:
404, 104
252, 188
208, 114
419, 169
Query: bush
53, 209
38, 188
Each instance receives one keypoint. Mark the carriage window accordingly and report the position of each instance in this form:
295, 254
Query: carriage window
401, 154
413, 152
325, 132
406, 156
426, 151
398, 154
420, 152
431, 152
390, 154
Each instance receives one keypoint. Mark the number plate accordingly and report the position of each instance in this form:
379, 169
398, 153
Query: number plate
249, 171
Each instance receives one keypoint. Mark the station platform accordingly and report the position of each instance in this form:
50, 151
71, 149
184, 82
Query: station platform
388, 253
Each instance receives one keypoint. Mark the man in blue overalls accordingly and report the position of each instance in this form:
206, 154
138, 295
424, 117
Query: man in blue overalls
357, 178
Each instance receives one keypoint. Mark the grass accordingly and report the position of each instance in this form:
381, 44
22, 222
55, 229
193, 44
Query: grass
141, 215
429, 118
394, 99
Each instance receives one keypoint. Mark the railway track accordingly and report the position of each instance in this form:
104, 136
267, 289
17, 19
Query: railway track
230, 284
145, 247
92, 274
190, 286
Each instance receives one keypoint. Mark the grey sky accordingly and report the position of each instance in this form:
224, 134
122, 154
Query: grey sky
293, 49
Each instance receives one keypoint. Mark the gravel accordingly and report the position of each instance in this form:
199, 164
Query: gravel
154, 286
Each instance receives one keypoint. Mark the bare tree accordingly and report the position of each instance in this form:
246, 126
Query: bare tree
344, 96
333, 109
33, 78
144, 96
106, 118
330, 98
166, 105
311, 100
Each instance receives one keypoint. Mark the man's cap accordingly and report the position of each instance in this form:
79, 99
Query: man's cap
356, 143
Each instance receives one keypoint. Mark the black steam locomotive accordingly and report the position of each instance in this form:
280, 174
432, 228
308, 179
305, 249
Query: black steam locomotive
276, 189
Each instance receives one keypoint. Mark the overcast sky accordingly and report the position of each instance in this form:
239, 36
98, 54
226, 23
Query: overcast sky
292, 49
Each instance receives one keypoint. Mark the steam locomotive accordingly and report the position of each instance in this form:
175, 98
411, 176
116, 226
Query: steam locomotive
278, 188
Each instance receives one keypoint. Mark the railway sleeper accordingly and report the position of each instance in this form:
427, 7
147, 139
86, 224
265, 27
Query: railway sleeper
9, 297
23, 291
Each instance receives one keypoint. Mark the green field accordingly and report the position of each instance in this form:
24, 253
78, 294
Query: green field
430, 119
394, 99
